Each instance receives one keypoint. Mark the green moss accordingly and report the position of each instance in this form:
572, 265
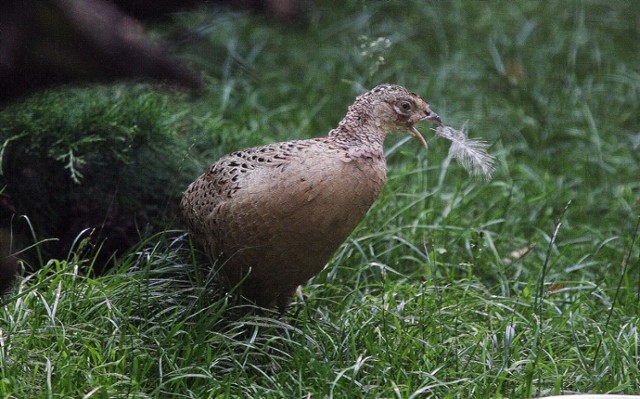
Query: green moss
112, 159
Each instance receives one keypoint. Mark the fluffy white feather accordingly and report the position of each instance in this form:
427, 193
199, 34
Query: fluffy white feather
471, 154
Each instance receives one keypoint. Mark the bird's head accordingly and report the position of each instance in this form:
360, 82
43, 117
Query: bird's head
395, 108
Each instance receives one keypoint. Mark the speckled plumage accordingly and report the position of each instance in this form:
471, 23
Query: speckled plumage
274, 215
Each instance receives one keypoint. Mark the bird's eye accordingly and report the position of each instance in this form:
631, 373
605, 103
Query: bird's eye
405, 105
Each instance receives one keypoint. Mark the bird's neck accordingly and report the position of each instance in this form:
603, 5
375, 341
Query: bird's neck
359, 130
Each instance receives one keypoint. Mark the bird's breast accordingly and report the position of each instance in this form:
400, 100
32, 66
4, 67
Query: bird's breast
286, 221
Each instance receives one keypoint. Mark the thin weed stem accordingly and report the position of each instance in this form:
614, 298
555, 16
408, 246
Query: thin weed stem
625, 265
540, 292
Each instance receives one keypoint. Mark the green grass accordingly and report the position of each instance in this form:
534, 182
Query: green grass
450, 288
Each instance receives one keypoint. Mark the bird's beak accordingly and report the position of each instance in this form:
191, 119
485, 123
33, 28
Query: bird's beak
416, 134
431, 117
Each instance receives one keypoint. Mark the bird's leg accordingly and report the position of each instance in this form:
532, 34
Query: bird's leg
284, 299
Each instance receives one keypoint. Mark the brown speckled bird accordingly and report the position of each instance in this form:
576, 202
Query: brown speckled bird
272, 216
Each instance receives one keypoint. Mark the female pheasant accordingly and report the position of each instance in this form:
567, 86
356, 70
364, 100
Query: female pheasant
272, 216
